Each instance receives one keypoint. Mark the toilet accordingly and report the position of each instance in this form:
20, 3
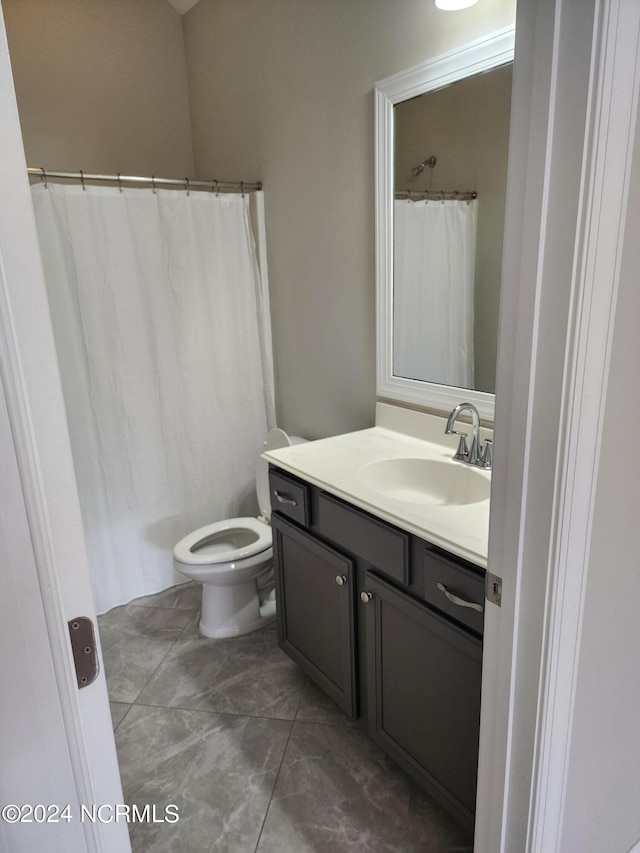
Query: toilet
233, 559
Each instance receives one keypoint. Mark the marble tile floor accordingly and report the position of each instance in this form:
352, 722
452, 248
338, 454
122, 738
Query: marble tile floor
253, 754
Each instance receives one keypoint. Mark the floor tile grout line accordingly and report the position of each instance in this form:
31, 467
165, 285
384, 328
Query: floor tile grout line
306, 681
168, 652
134, 603
147, 637
153, 607
117, 726
203, 710
142, 634
273, 788
136, 701
131, 704
210, 711
163, 606
160, 606
247, 714
284, 752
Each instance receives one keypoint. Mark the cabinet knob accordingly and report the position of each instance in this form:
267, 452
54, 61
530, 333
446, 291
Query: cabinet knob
366, 597
341, 580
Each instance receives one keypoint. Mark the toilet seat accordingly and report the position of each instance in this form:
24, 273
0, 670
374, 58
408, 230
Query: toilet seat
250, 536
233, 560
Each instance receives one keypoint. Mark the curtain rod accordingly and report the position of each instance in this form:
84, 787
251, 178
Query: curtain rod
436, 195
186, 183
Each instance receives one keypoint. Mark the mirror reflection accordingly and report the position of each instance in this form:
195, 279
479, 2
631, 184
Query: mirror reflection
450, 173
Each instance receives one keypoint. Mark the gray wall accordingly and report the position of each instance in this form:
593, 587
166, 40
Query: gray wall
101, 85
279, 90
282, 90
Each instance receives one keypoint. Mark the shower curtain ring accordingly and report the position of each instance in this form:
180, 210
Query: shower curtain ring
242, 188
187, 186
217, 188
153, 183
442, 194
43, 177
82, 180
119, 182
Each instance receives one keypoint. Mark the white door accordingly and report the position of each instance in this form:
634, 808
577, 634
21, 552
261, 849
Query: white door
56, 741
576, 94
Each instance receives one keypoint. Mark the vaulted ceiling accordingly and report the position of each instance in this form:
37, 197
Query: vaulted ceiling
183, 6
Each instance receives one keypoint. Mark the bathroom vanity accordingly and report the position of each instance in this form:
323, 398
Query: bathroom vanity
380, 553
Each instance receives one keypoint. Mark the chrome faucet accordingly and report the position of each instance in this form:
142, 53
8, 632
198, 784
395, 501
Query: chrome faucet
476, 454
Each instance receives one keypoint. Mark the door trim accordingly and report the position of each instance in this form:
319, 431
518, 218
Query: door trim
608, 151
31, 385
547, 432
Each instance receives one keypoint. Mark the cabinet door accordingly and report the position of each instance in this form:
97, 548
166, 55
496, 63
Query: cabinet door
424, 677
315, 613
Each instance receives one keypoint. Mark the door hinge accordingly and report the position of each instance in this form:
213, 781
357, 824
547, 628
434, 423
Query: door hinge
83, 646
493, 588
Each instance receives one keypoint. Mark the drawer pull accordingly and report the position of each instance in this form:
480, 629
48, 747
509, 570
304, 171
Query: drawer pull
459, 601
366, 597
341, 580
285, 500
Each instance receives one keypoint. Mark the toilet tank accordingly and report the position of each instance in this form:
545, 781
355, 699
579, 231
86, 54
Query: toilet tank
274, 439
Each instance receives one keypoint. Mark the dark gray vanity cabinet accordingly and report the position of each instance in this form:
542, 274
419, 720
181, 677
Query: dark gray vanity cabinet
389, 626
424, 693
315, 590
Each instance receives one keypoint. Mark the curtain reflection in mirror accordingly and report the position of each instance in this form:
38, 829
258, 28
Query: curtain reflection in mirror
433, 292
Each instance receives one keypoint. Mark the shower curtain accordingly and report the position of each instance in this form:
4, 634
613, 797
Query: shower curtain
434, 264
161, 322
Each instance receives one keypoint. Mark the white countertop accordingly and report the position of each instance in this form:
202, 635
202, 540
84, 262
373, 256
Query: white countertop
333, 464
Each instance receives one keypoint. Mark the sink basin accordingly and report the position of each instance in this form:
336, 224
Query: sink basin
426, 481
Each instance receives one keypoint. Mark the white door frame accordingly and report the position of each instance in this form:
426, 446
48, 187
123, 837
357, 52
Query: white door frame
551, 389
30, 385
36, 763
574, 111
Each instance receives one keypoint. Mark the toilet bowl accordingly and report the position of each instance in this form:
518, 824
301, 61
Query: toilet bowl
233, 559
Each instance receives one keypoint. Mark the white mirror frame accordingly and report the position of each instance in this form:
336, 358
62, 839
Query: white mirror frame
476, 57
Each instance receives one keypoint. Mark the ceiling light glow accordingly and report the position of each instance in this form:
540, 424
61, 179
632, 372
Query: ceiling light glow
454, 5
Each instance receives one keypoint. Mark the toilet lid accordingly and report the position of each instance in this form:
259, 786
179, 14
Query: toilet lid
274, 439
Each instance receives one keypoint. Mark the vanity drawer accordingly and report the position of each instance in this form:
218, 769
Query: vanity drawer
289, 497
375, 541
458, 581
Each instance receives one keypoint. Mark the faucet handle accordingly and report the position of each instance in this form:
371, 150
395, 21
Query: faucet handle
473, 457
462, 453
487, 454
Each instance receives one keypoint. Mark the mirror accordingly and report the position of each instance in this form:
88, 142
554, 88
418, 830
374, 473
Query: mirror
441, 145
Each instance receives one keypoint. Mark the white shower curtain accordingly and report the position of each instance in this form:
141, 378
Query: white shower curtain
434, 261
161, 322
